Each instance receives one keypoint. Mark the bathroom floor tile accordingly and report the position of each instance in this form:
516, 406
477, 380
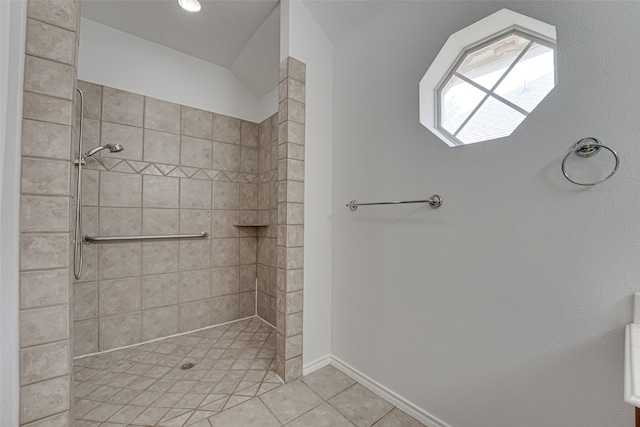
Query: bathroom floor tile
360, 405
232, 383
328, 381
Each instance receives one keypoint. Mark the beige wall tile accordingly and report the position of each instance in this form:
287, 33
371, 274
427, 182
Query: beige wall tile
195, 254
295, 235
90, 220
90, 138
47, 109
196, 152
129, 137
44, 288
195, 194
41, 139
120, 296
120, 221
161, 147
160, 290
193, 221
225, 281
223, 223
249, 134
296, 69
119, 260
295, 213
225, 195
90, 263
296, 90
226, 129
249, 159
264, 159
44, 213
45, 398
226, 157
295, 258
295, 170
46, 177
295, 192
159, 322
195, 315
120, 330
160, 221
225, 309
44, 251
62, 13
283, 86
294, 302
90, 180
293, 324
92, 100
48, 78
44, 362
294, 151
195, 122
248, 250
294, 280
85, 300
292, 368
85, 337
249, 196
293, 347
122, 107
195, 285
160, 192
247, 304
295, 111
44, 325
225, 252
120, 189
248, 275
159, 257
162, 115
264, 132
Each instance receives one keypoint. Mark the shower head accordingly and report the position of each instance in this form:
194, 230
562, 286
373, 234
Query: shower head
114, 148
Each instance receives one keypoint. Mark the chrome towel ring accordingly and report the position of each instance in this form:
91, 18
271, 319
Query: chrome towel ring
588, 147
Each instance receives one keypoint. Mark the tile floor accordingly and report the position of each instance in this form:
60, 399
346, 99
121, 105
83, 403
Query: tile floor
233, 384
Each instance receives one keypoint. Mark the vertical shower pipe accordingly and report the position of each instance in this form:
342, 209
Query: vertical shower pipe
77, 240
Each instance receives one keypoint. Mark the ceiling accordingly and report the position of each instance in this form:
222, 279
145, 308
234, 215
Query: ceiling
218, 34
240, 35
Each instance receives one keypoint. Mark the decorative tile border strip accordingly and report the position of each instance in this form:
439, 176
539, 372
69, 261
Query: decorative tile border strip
146, 168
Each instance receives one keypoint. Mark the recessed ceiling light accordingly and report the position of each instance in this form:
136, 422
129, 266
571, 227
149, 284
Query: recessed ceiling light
190, 5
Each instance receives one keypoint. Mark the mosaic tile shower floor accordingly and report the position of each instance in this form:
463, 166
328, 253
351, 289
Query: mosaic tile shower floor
232, 384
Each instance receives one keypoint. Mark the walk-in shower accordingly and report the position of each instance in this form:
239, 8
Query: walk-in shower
80, 161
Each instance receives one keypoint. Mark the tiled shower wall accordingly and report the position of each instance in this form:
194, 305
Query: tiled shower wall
267, 209
290, 236
47, 133
183, 170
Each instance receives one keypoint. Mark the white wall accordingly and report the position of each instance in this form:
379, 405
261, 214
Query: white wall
113, 58
304, 40
506, 306
13, 19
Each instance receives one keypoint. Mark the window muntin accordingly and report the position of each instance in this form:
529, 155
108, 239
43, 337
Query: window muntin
494, 87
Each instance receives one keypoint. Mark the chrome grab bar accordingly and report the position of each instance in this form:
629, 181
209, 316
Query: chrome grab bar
97, 239
434, 201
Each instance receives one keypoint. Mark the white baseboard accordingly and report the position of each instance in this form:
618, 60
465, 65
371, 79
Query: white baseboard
316, 364
382, 391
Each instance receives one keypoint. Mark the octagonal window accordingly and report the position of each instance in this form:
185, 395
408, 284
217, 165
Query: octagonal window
497, 71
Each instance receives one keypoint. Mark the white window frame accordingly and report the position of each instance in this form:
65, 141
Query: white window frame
459, 45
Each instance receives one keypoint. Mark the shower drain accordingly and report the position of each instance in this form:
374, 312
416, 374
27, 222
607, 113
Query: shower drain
187, 366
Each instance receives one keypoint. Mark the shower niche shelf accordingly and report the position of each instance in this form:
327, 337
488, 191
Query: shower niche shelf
250, 225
